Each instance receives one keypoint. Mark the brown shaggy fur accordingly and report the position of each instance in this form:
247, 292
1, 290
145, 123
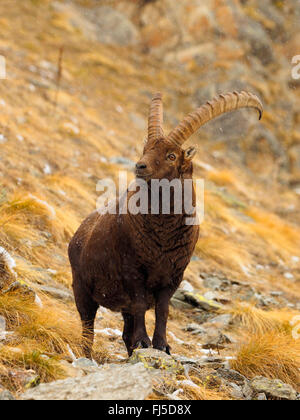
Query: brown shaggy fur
130, 263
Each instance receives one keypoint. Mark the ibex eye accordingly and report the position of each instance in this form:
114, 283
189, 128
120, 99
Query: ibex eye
172, 156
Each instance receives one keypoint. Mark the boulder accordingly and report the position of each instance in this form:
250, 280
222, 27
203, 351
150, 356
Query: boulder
112, 382
274, 389
99, 24
231, 376
155, 359
106, 20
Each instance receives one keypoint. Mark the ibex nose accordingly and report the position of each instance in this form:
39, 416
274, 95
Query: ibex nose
140, 166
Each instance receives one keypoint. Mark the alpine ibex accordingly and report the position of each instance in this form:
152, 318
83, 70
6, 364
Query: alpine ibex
132, 262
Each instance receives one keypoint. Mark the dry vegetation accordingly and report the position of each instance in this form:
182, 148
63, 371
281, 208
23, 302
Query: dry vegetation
50, 162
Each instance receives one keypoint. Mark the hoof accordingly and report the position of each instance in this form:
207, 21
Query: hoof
140, 344
166, 349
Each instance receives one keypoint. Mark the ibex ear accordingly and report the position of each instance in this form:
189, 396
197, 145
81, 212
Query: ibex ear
190, 153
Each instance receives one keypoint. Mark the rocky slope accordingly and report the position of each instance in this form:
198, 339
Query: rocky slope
65, 124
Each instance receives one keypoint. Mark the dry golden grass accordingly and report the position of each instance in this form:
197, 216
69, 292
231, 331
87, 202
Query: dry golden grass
259, 321
280, 236
27, 358
224, 177
35, 205
185, 388
52, 328
201, 392
270, 354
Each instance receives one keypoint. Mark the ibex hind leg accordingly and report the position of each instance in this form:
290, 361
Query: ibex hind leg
128, 330
87, 309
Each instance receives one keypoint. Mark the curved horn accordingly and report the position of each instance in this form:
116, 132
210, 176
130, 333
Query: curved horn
212, 109
155, 120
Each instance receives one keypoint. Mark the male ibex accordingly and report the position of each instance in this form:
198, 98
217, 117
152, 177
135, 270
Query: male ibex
132, 262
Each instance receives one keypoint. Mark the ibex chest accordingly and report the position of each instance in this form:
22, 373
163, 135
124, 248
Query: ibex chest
167, 251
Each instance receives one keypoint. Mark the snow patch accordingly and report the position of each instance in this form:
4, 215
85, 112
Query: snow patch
176, 339
110, 332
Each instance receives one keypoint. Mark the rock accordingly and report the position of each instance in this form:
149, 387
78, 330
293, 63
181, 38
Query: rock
186, 286
217, 297
216, 341
211, 336
247, 391
200, 301
86, 365
231, 376
112, 382
57, 293
209, 378
71, 371
195, 329
106, 19
120, 160
203, 55
212, 362
6, 395
262, 135
273, 388
261, 397
178, 301
236, 391
213, 282
272, 20
256, 37
99, 24
185, 360
155, 359
222, 321
2, 324
265, 301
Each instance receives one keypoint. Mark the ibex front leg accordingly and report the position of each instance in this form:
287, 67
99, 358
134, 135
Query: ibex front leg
162, 300
140, 337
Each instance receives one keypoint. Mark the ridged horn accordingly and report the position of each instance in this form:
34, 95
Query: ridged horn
155, 120
212, 109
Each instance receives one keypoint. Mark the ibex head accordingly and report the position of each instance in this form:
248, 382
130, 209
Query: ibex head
163, 156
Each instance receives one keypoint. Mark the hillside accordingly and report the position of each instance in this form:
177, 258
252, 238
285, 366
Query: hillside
73, 110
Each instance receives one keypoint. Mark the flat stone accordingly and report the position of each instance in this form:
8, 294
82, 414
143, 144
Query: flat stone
87, 365
199, 300
112, 382
232, 376
222, 320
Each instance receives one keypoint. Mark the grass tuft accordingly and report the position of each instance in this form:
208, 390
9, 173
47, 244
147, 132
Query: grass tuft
273, 355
